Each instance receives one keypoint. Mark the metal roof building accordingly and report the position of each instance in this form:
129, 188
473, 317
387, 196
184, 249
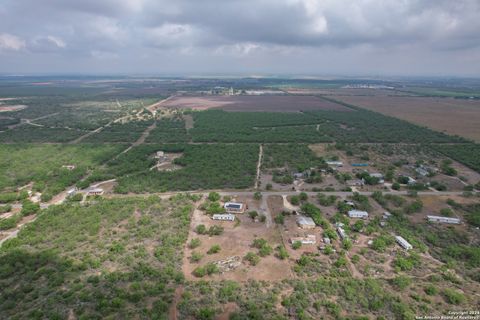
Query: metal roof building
342, 233
403, 243
443, 219
358, 214
224, 217
305, 222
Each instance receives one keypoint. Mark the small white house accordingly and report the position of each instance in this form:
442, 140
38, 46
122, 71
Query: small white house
234, 207
386, 215
224, 217
443, 219
403, 243
309, 239
305, 222
327, 240
69, 167
358, 214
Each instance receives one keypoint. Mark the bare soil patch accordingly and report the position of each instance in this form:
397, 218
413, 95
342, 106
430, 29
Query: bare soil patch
236, 240
452, 116
188, 121
270, 103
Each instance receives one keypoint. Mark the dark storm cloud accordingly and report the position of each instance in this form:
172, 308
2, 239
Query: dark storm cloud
240, 35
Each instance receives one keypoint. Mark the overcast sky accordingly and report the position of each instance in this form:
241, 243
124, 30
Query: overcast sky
318, 37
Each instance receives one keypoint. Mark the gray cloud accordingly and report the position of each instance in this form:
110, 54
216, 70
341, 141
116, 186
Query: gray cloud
316, 36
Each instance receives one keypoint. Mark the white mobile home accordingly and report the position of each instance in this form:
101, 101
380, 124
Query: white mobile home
334, 163
342, 233
358, 214
443, 219
403, 243
310, 239
224, 217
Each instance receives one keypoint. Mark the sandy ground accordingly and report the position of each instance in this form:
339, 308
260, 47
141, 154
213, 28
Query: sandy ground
453, 116
236, 241
272, 103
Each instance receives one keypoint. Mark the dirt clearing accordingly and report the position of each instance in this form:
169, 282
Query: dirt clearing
236, 241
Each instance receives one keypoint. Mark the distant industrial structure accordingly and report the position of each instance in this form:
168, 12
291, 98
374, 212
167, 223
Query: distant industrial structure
443, 219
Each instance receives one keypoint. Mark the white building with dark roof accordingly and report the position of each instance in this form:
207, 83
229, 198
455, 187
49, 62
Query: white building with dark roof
234, 207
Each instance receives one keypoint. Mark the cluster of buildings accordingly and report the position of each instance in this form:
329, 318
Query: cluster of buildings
230, 209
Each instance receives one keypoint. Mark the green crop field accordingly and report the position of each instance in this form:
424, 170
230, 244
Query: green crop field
468, 154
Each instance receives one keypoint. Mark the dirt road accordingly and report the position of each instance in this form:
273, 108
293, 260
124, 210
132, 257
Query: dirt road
259, 165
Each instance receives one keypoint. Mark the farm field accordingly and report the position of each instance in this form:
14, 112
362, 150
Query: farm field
211, 166
267, 103
109, 211
309, 127
452, 116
